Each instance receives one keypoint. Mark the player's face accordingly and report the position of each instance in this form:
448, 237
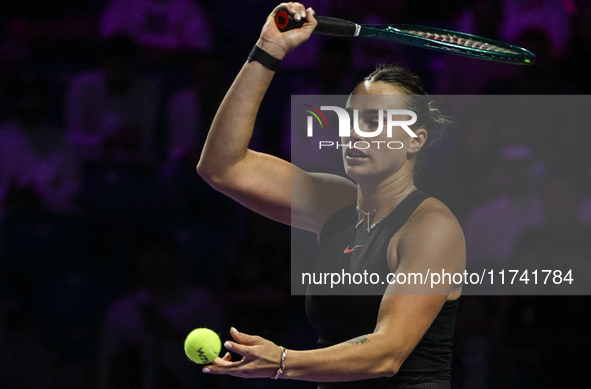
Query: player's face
378, 158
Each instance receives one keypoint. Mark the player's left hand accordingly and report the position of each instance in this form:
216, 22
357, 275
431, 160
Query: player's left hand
260, 357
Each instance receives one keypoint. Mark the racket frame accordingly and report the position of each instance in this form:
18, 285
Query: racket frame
400, 33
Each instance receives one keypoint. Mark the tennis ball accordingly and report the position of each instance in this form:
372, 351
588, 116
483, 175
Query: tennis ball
202, 345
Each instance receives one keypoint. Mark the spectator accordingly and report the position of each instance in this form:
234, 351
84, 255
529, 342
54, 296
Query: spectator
539, 79
236, 36
13, 59
145, 329
493, 228
367, 53
462, 75
578, 56
476, 343
462, 182
189, 113
548, 16
112, 111
37, 168
257, 286
51, 29
519, 16
161, 26
562, 242
548, 334
191, 109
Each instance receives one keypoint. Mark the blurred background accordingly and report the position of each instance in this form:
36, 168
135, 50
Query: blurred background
113, 248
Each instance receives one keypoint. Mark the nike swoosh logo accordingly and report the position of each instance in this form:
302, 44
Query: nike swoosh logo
348, 250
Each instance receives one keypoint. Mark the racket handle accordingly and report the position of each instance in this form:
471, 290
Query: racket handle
326, 26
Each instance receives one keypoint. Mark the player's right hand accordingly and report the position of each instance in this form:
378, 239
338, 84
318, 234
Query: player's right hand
278, 43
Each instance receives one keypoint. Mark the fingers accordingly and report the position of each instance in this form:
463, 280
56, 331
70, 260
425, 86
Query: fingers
225, 365
238, 348
310, 19
259, 359
226, 360
298, 10
221, 366
243, 342
244, 338
310, 15
278, 43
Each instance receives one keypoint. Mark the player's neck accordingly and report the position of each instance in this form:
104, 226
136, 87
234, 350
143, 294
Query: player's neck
370, 197
370, 218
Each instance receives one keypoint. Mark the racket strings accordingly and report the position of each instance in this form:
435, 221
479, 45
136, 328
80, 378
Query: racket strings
459, 49
448, 38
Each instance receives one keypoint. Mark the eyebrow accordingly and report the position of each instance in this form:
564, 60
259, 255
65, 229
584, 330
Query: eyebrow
365, 112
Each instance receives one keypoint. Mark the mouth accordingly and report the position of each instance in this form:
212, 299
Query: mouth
355, 154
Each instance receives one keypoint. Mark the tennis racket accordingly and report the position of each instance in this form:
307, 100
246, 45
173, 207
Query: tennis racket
426, 37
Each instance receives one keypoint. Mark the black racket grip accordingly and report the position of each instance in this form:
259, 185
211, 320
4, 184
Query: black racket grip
326, 26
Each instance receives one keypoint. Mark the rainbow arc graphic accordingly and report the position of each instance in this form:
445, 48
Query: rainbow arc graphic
316, 115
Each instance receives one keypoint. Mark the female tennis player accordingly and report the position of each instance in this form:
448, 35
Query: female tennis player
398, 339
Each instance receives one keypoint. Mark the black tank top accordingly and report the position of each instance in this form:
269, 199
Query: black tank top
340, 318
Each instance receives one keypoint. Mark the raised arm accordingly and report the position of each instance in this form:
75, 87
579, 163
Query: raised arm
266, 184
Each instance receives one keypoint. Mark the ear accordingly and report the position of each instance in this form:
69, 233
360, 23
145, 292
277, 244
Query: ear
417, 143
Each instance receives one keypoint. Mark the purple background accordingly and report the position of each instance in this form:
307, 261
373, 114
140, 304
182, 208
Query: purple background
113, 248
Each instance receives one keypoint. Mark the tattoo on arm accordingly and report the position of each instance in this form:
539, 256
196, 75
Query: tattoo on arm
358, 340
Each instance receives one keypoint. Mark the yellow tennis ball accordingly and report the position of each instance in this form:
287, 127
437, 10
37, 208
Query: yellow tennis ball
202, 345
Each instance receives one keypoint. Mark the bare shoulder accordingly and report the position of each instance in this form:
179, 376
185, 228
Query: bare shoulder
432, 234
431, 239
432, 215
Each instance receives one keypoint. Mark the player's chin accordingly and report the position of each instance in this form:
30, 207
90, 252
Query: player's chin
356, 168
355, 173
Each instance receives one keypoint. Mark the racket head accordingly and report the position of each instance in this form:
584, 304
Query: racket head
451, 42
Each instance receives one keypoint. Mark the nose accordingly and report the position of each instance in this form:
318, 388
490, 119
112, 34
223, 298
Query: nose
353, 135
